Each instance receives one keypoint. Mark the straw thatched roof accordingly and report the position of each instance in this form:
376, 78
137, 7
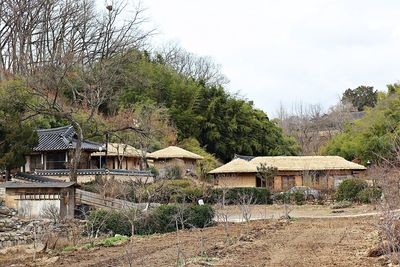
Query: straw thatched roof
289, 163
117, 149
236, 166
173, 152
304, 163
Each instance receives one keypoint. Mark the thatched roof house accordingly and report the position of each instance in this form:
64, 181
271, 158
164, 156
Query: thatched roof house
174, 156
307, 163
119, 156
119, 149
173, 152
236, 166
236, 173
321, 172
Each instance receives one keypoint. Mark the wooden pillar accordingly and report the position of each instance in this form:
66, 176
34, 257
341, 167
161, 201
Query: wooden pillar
298, 180
277, 183
44, 161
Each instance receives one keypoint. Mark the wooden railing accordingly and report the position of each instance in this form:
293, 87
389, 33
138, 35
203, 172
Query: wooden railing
99, 201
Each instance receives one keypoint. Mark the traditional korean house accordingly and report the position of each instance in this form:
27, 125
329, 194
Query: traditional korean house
55, 149
236, 173
174, 156
321, 172
118, 157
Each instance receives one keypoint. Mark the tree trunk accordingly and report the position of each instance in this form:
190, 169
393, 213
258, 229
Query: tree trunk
73, 175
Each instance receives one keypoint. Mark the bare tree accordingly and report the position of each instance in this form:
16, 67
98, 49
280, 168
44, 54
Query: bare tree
245, 202
69, 54
52, 212
142, 126
198, 68
311, 126
266, 174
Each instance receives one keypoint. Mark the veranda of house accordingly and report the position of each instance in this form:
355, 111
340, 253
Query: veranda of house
320, 172
55, 149
119, 156
53, 154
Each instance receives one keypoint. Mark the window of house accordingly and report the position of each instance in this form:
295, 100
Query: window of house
55, 161
36, 162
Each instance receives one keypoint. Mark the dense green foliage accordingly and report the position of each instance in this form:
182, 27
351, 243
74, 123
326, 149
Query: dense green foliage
266, 174
176, 191
349, 189
223, 123
361, 97
208, 163
107, 242
369, 195
17, 137
232, 196
163, 219
296, 197
374, 137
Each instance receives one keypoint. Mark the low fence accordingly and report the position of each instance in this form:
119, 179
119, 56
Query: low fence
99, 201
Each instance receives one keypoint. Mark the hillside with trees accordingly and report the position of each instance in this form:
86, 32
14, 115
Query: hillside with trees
98, 73
375, 137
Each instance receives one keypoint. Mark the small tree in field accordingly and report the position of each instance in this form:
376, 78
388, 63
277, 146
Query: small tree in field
266, 174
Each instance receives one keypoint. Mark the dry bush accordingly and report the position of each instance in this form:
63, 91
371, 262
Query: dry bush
387, 176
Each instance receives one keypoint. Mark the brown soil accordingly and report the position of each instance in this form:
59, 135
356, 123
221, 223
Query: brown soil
303, 242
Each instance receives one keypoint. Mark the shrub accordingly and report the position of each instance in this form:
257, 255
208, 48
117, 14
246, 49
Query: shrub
159, 220
349, 189
173, 172
200, 216
369, 195
260, 195
153, 171
342, 204
109, 221
282, 197
177, 191
298, 197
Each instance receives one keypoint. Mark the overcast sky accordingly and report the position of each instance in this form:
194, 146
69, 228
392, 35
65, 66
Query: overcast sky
288, 51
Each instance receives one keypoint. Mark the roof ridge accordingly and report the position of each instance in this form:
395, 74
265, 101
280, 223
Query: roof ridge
55, 129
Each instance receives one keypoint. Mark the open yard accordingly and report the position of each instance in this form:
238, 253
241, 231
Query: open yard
300, 242
259, 212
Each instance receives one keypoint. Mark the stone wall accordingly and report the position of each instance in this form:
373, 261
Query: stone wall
13, 231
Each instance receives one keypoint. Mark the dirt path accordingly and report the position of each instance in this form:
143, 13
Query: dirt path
303, 242
263, 212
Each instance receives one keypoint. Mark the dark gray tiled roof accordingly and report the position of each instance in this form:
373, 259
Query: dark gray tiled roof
36, 185
65, 172
34, 178
248, 158
61, 138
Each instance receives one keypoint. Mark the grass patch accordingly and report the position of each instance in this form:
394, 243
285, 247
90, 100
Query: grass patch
70, 248
203, 260
108, 242
342, 205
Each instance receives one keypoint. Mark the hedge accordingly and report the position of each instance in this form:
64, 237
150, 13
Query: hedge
260, 195
159, 220
296, 197
349, 189
369, 195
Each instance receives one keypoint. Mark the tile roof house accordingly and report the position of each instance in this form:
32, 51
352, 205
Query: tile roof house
55, 149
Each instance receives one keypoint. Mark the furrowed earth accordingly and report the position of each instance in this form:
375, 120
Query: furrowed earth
299, 242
